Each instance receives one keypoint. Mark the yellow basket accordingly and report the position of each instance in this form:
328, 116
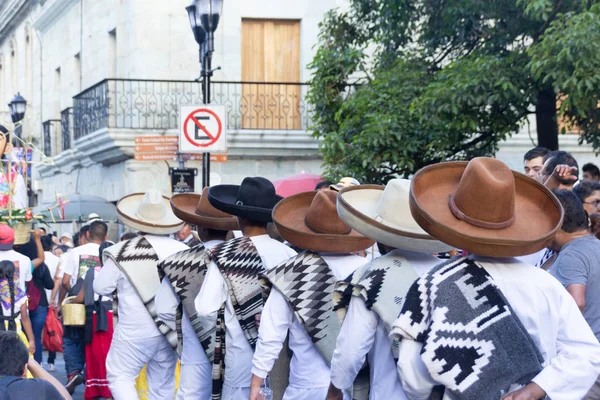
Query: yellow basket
22, 232
73, 313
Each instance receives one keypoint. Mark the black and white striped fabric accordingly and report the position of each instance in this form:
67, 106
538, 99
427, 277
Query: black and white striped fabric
138, 261
473, 343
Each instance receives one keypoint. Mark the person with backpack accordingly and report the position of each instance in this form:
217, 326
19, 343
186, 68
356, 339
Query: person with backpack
14, 305
15, 364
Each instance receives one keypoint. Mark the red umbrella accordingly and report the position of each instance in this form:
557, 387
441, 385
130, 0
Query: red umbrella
296, 184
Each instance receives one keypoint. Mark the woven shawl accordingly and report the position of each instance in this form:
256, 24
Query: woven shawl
473, 343
138, 261
307, 283
382, 284
239, 264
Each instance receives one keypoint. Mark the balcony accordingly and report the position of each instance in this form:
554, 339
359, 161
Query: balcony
57, 133
144, 104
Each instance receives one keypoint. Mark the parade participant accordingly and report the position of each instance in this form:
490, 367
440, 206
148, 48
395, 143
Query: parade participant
13, 299
367, 301
230, 298
300, 291
98, 333
556, 179
533, 162
131, 268
182, 285
79, 260
186, 235
24, 266
516, 333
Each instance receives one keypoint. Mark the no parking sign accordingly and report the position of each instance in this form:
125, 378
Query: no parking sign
203, 129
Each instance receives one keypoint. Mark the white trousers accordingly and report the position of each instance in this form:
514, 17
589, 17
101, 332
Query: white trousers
296, 393
235, 393
195, 382
126, 359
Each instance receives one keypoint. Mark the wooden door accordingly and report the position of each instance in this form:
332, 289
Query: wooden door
271, 58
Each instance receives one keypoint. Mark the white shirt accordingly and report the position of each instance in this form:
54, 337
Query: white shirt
308, 369
166, 308
75, 266
134, 320
214, 292
363, 334
23, 266
52, 262
570, 350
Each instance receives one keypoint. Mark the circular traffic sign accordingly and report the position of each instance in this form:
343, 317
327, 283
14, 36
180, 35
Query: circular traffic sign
207, 128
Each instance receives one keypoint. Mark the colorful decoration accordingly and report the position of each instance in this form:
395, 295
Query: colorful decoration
60, 206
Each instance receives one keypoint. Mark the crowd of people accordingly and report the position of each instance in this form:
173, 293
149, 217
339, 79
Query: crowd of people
469, 281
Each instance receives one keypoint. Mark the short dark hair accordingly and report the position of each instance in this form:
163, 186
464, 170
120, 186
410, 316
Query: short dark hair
535, 153
46, 243
128, 235
323, 184
585, 189
76, 239
576, 219
14, 354
84, 229
591, 168
98, 230
559, 158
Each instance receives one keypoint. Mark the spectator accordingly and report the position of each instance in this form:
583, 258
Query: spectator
344, 183
323, 185
14, 364
23, 265
555, 159
591, 173
84, 235
589, 194
67, 239
186, 236
533, 162
576, 266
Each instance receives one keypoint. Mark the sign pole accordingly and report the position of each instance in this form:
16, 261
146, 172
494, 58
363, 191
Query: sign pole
206, 98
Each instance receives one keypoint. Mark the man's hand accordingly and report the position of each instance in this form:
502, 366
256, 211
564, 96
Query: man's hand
565, 172
254, 393
529, 392
32, 347
334, 393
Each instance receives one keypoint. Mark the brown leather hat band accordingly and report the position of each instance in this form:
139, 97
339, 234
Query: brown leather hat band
477, 222
315, 230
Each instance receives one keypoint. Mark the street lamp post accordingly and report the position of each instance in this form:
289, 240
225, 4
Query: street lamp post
204, 18
17, 107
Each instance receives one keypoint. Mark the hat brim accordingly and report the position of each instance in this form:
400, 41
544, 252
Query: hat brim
357, 206
224, 198
289, 217
538, 214
127, 210
184, 207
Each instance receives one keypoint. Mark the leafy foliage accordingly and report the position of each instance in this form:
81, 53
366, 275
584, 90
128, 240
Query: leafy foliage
399, 84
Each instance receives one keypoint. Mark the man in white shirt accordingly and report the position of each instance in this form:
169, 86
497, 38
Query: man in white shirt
300, 293
131, 269
521, 335
79, 260
368, 301
179, 282
231, 293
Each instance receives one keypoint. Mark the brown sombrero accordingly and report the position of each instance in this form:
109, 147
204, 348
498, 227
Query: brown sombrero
196, 209
484, 208
310, 221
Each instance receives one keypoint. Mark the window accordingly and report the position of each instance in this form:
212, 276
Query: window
271, 53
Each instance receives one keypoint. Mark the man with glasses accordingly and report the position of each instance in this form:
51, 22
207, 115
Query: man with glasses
589, 194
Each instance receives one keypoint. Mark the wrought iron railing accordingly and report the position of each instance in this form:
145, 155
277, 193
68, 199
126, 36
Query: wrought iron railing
151, 104
66, 124
51, 131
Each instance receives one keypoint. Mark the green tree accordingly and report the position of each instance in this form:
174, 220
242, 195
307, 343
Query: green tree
399, 84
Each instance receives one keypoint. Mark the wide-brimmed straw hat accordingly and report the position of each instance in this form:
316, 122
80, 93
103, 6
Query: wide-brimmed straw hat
148, 212
382, 213
485, 208
254, 199
196, 209
310, 221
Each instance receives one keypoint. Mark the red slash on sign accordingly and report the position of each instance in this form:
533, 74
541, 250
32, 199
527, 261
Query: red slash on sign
202, 128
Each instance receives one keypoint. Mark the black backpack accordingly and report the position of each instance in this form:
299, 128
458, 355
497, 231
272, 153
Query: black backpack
5, 382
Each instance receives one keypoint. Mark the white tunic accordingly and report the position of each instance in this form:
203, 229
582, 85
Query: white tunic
308, 369
570, 350
134, 320
166, 310
363, 334
214, 292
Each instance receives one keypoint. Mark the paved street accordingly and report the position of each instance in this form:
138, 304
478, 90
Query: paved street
61, 375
